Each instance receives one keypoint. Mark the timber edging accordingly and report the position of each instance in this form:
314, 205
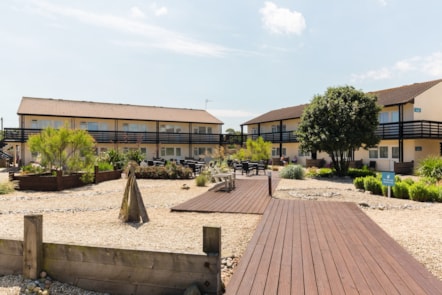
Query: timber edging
116, 271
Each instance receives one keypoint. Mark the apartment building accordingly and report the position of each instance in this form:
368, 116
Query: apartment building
158, 132
410, 127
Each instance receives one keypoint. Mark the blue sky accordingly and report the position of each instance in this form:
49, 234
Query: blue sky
239, 59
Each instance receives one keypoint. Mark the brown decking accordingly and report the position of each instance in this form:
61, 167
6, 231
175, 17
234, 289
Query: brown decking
313, 247
251, 196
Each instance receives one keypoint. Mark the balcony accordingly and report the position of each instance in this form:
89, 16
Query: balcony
397, 130
22, 135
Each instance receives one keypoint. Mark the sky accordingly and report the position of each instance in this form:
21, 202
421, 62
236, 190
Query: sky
236, 59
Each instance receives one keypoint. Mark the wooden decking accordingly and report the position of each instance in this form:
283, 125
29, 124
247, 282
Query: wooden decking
314, 247
251, 196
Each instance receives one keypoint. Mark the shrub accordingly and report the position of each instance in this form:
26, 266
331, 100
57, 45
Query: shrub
292, 172
431, 167
373, 184
359, 183
364, 172
408, 181
325, 172
6, 188
201, 180
312, 172
400, 190
105, 166
419, 192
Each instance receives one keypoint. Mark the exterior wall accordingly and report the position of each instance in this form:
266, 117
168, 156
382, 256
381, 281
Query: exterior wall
429, 103
152, 149
409, 112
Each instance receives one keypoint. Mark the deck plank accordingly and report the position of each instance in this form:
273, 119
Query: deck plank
251, 196
311, 247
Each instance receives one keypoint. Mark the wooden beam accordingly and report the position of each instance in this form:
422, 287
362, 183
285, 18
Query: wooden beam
32, 246
212, 240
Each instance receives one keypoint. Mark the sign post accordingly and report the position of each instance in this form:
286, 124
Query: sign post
388, 180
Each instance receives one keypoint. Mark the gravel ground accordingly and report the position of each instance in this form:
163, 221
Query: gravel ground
89, 216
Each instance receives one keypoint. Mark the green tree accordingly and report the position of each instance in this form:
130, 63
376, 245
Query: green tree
64, 148
255, 150
340, 121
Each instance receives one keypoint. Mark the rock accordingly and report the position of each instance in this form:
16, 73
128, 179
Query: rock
364, 204
192, 290
43, 274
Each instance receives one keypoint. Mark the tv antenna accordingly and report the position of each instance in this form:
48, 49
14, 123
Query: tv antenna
206, 101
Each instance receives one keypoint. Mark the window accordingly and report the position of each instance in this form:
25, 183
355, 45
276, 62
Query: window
373, 154
383, 117
42, 124
202, 130
395, 116
275, 152
171, 152
201, 151
254, 131
383, 152
167, 152
93, 126
277, 128
395, 152
133, 127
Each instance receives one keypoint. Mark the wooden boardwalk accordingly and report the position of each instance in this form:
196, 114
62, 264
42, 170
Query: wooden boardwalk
251, 196
314, 247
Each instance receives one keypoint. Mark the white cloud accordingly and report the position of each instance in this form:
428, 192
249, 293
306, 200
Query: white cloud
135, 12
159, 10
154, 36
281, 20
430, 65
383, 2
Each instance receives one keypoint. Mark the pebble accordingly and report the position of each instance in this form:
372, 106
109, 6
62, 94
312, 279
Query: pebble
40, 286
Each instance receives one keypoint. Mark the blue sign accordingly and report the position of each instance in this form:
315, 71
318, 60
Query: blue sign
388, 178
417, 110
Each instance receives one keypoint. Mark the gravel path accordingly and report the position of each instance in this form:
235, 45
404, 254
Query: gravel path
89, 216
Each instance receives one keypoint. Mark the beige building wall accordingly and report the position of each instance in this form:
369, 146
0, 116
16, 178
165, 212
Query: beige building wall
429, 104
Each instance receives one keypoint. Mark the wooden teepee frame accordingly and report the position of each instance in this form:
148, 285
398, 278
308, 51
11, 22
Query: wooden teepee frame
132, 206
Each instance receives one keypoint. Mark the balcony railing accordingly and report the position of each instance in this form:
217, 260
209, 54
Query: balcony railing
22, 135
397, 130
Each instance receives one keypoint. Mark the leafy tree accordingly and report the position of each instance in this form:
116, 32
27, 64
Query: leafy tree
232, 131
64, 148
339, 122
255, 150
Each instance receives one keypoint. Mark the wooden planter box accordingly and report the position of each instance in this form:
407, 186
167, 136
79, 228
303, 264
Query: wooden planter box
318, 163
58, 182
405, 168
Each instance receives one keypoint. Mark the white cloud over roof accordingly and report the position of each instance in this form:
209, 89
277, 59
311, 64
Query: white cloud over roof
281, 20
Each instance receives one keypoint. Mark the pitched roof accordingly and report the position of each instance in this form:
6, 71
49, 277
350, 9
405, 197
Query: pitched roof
403, 94
87, 109
387, 97
279, 114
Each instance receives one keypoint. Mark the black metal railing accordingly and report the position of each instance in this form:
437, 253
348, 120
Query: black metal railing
398, 130
22, 135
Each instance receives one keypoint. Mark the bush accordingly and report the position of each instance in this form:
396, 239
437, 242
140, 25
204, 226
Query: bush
431, 167
292, 172
6, 188
400, 190
419, 192
105, 166
359, 183
364, 172
373, 185
201, 180
172, 171
325, 172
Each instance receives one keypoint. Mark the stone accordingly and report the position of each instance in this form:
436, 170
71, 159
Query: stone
192, 290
